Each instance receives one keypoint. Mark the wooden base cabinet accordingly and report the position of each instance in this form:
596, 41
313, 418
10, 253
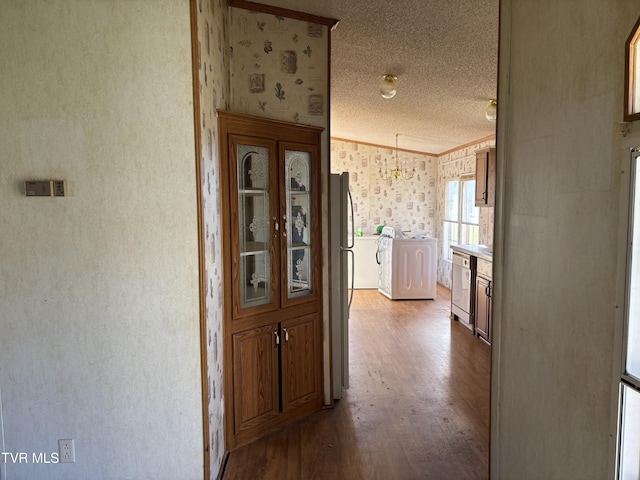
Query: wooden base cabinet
275, 373
255, 374
299, 354
271, 231
483, 308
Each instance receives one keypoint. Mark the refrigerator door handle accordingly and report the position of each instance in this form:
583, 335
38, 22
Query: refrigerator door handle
353, 229
353, 276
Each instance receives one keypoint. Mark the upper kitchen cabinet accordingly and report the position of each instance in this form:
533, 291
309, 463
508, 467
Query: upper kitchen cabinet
271, 230
485, 177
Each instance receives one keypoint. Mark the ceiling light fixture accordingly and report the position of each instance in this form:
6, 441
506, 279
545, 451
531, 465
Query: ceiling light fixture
403, 170
492, 110
389, 86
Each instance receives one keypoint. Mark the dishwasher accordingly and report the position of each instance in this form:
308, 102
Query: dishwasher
461, 283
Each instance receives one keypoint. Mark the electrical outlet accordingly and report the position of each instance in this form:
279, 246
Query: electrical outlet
66, 450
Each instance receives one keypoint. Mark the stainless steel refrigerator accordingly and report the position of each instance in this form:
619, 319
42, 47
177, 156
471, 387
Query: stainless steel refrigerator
342, 241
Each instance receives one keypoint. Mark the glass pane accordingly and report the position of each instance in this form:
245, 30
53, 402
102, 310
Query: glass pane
253, 167
630, 435
449, 237
633, 333
254, 227
254, 222
254, 281
299, 272
299, 222
470, 213
451, 201
469, 234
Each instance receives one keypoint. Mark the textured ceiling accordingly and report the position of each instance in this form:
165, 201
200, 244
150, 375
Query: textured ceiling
444, 53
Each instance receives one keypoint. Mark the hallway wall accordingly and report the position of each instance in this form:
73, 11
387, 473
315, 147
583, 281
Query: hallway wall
99, 289
560, 98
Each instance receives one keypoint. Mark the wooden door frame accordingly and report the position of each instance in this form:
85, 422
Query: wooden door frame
197, 133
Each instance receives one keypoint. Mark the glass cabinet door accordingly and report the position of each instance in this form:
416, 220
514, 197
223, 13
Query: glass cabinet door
254, 226
299, 223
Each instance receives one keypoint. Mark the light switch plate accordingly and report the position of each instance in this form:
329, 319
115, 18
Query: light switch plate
45, 188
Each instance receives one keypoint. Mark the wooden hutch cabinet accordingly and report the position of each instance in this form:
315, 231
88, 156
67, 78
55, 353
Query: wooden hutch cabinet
270, 189
486, 177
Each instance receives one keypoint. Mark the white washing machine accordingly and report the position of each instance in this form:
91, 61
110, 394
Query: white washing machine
407, 266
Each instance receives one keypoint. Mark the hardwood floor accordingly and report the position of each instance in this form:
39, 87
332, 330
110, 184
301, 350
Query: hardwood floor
417, 406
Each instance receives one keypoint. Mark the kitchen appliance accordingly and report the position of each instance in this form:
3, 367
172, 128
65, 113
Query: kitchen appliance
341, 245
461, 289
407, 266
383, 258
365, 273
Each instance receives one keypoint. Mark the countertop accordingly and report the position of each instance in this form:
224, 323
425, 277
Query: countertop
366, 236
481, 251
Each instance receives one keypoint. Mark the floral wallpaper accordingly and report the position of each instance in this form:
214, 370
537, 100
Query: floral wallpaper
279, 67
213, 65
402, 204
454, 165
415, 204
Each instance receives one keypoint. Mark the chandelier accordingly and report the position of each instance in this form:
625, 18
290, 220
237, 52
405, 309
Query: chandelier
402, 170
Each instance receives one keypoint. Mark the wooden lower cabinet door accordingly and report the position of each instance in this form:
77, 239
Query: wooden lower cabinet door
483, 308
255, 378
301, 363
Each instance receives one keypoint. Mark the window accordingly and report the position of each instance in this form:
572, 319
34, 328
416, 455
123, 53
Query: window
629, 386
461, 216
632, 75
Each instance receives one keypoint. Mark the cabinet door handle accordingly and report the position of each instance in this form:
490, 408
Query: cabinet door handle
487, 291
284, 221
276, 226
286, 334
277, 338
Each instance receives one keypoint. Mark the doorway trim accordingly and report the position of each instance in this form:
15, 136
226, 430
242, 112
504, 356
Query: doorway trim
501, 214
197, 134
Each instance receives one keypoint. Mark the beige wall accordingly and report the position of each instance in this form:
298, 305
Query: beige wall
561, 92
99, 290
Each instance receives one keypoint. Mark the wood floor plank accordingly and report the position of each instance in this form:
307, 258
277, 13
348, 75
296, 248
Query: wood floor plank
418, 405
